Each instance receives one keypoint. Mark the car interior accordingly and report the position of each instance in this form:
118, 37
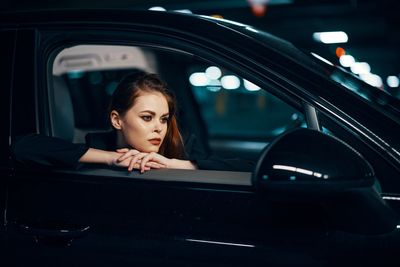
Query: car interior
230, 116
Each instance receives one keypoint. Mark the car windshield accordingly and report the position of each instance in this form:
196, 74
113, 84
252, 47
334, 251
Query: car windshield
390, 103
352, 82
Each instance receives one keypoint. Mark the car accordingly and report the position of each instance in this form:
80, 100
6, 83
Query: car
325, 189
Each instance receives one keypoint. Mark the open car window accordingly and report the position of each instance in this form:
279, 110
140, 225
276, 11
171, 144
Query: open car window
230, 116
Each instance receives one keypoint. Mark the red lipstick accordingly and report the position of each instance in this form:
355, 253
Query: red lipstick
155, 141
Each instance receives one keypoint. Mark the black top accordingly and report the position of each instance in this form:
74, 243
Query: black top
33, 149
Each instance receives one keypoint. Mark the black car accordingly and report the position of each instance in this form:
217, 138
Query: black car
325, 189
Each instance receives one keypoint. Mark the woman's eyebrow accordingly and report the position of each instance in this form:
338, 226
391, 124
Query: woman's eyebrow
148, 111
153, 113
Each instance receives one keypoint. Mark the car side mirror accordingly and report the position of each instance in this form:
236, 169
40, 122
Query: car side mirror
310, 161
308, 165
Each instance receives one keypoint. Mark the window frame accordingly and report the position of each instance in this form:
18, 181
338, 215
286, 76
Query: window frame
54, 41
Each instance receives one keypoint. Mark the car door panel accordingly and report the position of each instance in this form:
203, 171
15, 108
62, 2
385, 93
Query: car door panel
8, 36
109, 217
139, 220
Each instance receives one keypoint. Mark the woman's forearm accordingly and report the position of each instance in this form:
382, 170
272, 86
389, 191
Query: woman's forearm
182, 164
99, 156
110, 158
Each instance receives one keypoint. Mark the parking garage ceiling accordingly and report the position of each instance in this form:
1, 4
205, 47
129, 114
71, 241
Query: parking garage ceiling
372, 26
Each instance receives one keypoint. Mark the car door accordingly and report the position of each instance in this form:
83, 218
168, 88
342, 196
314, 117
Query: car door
100, 216
7, 55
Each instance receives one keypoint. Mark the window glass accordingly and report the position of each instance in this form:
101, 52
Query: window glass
235, 109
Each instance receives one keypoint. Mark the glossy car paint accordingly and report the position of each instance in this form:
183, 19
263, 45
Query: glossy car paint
103, 219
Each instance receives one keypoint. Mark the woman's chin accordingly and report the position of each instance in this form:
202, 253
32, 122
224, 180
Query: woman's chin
150, 149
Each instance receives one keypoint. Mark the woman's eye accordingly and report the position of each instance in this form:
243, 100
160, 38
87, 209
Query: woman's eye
146, 118
164, 120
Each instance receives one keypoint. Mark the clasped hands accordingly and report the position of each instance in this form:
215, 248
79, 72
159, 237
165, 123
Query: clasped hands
134, 159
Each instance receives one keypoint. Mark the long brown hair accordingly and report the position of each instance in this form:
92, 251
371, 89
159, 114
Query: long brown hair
124, 98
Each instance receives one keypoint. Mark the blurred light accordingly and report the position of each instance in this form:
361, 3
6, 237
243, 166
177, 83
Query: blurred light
330, 37
304, 171
157, 8
372, 79
230, 82
360, 68
214, 85
317, 174
225, 20
391, 198
284, 167
321, 58
299, 170
213, 88
258, 7
213, 72
251, 29
217, 16
346, 60
186, 11
198, 79
75, 74
392, 81
340, 52
250, 86
220, 243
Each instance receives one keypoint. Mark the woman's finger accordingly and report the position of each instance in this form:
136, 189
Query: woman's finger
154, 165
146, 159
134, 160
127, 154
122, 150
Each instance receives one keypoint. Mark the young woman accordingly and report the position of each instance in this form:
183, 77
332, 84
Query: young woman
145, 131
144, 135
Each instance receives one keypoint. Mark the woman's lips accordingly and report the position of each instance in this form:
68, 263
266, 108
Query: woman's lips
155, 141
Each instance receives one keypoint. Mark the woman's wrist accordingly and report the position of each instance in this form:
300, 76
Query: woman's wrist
111, 157
99, 156
181, 164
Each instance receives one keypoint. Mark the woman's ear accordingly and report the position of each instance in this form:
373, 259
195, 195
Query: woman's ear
115, 119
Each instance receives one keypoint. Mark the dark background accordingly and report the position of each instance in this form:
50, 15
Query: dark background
371, 25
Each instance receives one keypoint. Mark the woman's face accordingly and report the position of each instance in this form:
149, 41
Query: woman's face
144, 125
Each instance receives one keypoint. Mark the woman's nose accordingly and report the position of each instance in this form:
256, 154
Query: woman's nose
157, 127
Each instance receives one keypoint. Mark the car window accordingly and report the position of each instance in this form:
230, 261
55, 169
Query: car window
230, 116
239, 114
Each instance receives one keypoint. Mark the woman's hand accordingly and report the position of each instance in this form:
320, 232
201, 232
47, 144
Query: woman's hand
133, 159
153, 160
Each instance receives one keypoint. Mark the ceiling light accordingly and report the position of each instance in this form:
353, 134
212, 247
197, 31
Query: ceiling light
347, 60
250, 86
330, 37
360, 68
372, 79
213, 72
230, 82
198, 79
392, 81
